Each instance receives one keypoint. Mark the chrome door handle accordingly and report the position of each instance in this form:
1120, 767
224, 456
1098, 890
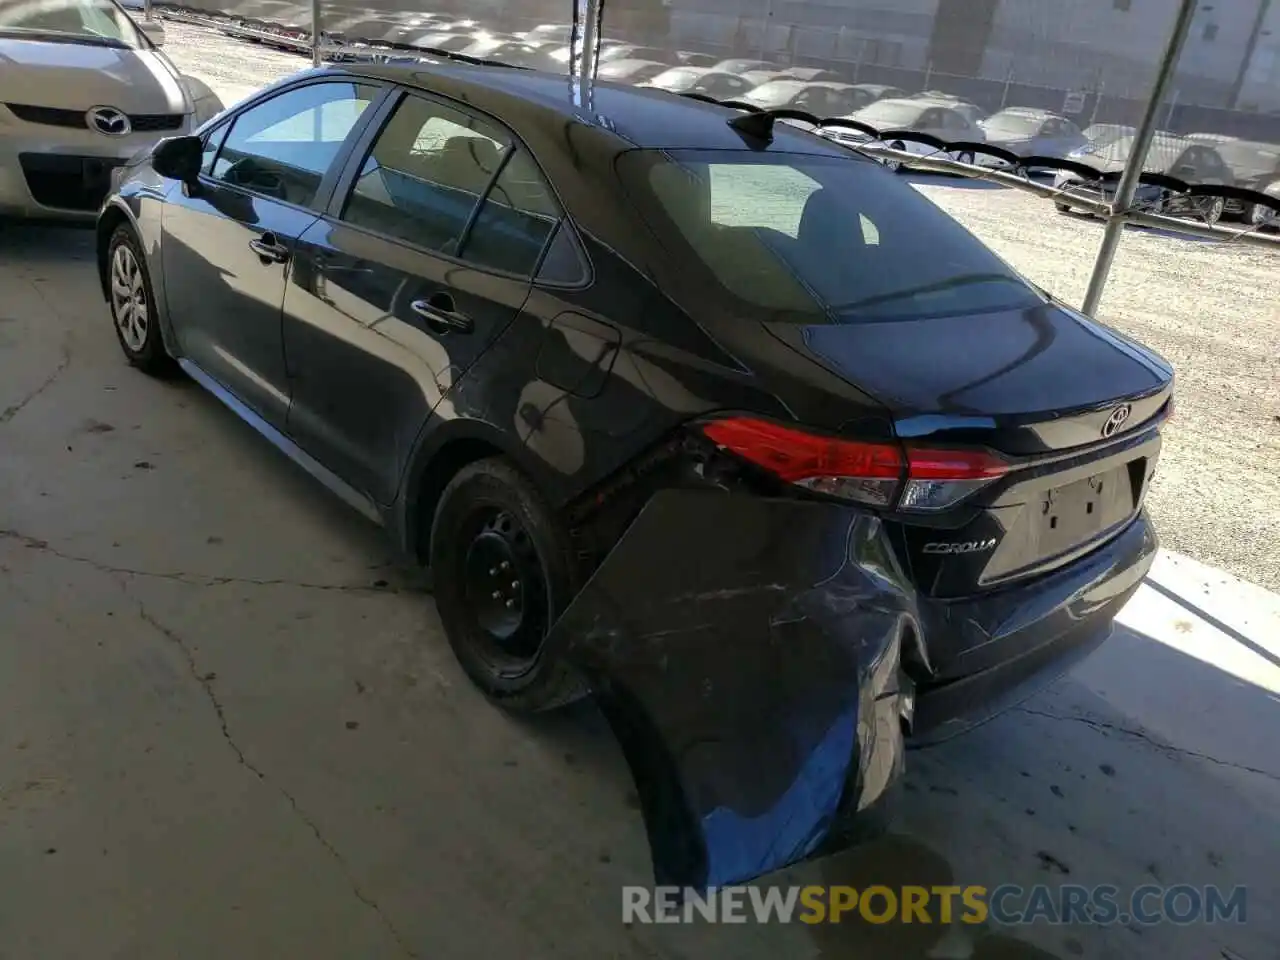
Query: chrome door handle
440, 315
269, 249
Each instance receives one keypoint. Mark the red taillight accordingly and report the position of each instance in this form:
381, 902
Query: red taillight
879, 473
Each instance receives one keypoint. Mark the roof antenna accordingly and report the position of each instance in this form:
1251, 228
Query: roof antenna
754, 126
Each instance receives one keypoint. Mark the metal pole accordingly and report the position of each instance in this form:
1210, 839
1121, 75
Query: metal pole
1008, 79
591, 14
316, 58
928, 72
1173, 105
146, 10
1233, 98
1128, 184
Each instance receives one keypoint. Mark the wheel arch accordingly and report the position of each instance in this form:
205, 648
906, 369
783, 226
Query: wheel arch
108, 222
440, 453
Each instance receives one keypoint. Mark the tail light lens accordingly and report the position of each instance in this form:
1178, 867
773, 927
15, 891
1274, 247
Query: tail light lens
880, 474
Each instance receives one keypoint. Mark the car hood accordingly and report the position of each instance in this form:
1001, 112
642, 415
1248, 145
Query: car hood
1018, 380
75, 76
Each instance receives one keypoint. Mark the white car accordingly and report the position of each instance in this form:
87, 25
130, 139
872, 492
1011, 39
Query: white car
82, 90
935, 117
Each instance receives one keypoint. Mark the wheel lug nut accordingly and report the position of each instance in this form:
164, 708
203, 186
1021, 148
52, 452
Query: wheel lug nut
510, 604
493, 572
497, 595
515, 584
506, 565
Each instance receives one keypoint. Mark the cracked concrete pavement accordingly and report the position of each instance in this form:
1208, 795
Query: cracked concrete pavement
232, 726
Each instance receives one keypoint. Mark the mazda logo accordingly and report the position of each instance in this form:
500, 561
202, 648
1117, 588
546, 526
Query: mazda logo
1117, 420
109, 121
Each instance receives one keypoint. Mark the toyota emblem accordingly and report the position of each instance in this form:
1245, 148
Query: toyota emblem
1116, 421
109, 121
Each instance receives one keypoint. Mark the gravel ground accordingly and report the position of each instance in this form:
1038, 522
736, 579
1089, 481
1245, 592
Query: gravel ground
1211, 309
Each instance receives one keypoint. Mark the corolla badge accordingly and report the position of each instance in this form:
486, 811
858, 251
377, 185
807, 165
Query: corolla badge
970, 546
108, 121
1117, 420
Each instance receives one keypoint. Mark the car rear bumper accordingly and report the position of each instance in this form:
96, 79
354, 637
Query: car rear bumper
749, 655
1017, 640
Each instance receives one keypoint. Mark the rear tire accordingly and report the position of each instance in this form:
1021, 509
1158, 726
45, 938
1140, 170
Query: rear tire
1213, 213
133, 305
503, 571
1261, 217
896, 166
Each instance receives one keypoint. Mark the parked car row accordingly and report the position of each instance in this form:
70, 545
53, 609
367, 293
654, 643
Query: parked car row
824, 93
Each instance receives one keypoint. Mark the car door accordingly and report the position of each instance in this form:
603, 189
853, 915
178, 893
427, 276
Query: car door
228, 239
423, 258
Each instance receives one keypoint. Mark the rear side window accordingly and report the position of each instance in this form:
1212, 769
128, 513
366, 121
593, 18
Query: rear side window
424, 175
283, 147
515, 221
807, 238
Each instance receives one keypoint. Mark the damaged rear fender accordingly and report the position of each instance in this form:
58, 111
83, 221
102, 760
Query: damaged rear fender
747, 654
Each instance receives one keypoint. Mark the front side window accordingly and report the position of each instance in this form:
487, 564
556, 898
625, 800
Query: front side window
282, 148
424, 175
90, 22
816, 239
212, 143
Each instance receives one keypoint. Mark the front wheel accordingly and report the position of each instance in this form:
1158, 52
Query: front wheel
133, 305
502, 572
1259, 216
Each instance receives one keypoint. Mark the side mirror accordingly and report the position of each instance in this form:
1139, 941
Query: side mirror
154, 30
178, 158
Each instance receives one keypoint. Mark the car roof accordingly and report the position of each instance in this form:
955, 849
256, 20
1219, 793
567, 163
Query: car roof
1026, 112
634, 116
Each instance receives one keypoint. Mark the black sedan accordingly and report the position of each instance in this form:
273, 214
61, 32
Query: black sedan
711, 418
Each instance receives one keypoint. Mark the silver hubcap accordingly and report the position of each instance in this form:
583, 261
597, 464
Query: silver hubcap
129, 298
1258, 215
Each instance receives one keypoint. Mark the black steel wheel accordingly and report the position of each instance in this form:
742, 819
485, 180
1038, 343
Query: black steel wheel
502, 572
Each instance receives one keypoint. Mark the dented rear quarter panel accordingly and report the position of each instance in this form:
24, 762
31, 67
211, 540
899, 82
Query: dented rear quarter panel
746, 654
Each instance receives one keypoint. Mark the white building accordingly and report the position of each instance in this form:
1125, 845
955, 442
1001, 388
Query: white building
1119, 43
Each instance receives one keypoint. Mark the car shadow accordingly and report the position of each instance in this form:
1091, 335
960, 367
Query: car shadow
1084, 784
39, 243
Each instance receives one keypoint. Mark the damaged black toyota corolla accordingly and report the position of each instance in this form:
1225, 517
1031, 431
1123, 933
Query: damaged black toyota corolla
716, 420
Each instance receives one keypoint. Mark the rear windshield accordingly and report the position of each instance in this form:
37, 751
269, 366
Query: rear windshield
813, 239
1246, 157
674, 79
891, 113
1014, 124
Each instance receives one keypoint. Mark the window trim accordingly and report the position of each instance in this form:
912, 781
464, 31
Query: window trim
359, 153
328, 181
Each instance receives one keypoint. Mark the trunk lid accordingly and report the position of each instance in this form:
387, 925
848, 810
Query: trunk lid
1023, 382
1070, 403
